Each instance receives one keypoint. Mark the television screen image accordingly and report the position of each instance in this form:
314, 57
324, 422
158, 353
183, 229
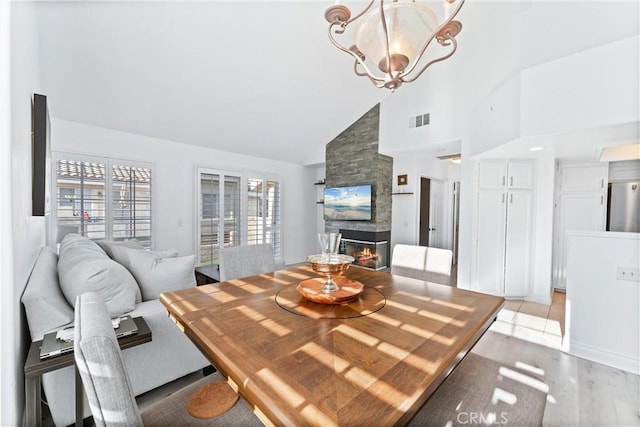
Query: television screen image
347, 203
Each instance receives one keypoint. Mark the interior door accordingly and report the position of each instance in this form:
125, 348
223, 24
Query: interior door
436, 220
425, 201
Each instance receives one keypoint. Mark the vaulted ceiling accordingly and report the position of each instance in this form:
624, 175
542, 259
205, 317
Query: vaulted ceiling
262, 78
257, 78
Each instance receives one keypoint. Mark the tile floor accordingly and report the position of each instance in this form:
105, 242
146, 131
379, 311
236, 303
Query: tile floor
535, 322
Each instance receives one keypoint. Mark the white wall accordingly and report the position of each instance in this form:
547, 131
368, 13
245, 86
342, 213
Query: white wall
594, 88
174, 182
21, 234
602, 313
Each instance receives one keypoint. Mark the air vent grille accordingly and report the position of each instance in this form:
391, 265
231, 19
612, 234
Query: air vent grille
419, 120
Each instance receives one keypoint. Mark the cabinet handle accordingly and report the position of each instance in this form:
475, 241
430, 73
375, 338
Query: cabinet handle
602, 200
503, 179
601, 182
511, 181
511, 198
502, 197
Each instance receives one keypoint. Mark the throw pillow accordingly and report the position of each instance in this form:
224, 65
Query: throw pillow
109, 246
84, 267
121, 254
157, 275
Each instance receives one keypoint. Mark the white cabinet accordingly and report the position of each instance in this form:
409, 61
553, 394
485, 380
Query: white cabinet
504, 227
518, 243
581, 204
583, 178
520, 174
492, 174
490, 241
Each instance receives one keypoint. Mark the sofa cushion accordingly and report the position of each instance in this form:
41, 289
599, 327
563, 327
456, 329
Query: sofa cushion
44, 303
84, 267
157, 275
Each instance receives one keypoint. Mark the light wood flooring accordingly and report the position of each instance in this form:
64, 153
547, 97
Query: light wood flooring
581, 392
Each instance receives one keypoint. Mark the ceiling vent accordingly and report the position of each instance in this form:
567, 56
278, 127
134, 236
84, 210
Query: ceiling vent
419, 120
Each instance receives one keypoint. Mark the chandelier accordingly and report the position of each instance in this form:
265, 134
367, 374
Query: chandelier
391, 39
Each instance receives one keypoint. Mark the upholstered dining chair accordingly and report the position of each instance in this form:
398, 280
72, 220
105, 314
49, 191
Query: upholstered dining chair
422, 262
246, 260
108, 388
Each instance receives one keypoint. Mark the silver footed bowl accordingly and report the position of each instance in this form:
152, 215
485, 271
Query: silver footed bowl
330, 265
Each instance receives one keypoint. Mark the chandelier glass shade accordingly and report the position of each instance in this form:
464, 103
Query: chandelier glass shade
391, 38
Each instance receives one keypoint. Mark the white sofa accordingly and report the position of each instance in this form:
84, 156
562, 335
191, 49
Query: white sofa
170, 354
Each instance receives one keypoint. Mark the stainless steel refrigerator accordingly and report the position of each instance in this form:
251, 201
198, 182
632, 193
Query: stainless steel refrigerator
623, 207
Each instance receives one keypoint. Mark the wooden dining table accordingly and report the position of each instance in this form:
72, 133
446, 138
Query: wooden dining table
372, 361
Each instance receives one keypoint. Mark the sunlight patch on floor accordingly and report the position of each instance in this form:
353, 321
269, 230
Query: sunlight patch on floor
529, 321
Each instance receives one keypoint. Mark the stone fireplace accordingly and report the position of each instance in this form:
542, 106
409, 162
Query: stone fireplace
352, 158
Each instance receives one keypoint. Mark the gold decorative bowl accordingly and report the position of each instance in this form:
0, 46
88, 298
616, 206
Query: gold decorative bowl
330, 265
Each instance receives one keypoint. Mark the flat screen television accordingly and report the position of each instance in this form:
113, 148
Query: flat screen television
351, 203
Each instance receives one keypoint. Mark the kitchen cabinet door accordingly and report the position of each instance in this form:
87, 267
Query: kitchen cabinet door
518, 243
492, 174
520, 174
583, 178
490, 241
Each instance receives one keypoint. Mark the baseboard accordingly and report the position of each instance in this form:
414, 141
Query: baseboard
609, 358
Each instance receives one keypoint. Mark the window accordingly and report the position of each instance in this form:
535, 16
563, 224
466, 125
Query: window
263, 213
84, 206
219, 192
223, 193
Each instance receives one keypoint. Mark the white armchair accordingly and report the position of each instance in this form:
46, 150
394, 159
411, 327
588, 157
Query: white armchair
422, 262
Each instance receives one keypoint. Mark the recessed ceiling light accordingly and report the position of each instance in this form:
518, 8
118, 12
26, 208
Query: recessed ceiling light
536, 148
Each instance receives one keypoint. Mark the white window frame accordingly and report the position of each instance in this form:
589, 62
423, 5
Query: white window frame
244, 221
265, 178
108, 162
221, 208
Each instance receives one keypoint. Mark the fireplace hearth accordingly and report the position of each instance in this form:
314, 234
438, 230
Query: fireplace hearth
370, 249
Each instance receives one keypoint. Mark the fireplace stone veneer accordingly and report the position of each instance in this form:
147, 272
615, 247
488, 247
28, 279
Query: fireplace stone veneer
370, 249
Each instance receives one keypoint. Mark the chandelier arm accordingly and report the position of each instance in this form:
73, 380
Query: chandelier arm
435, 33
454, 43
366, 73
335, 43
386, 37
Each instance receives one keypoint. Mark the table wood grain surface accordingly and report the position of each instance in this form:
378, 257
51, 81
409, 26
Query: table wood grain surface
376, 369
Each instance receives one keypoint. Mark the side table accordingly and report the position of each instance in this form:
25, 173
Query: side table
206, 274
34, 367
